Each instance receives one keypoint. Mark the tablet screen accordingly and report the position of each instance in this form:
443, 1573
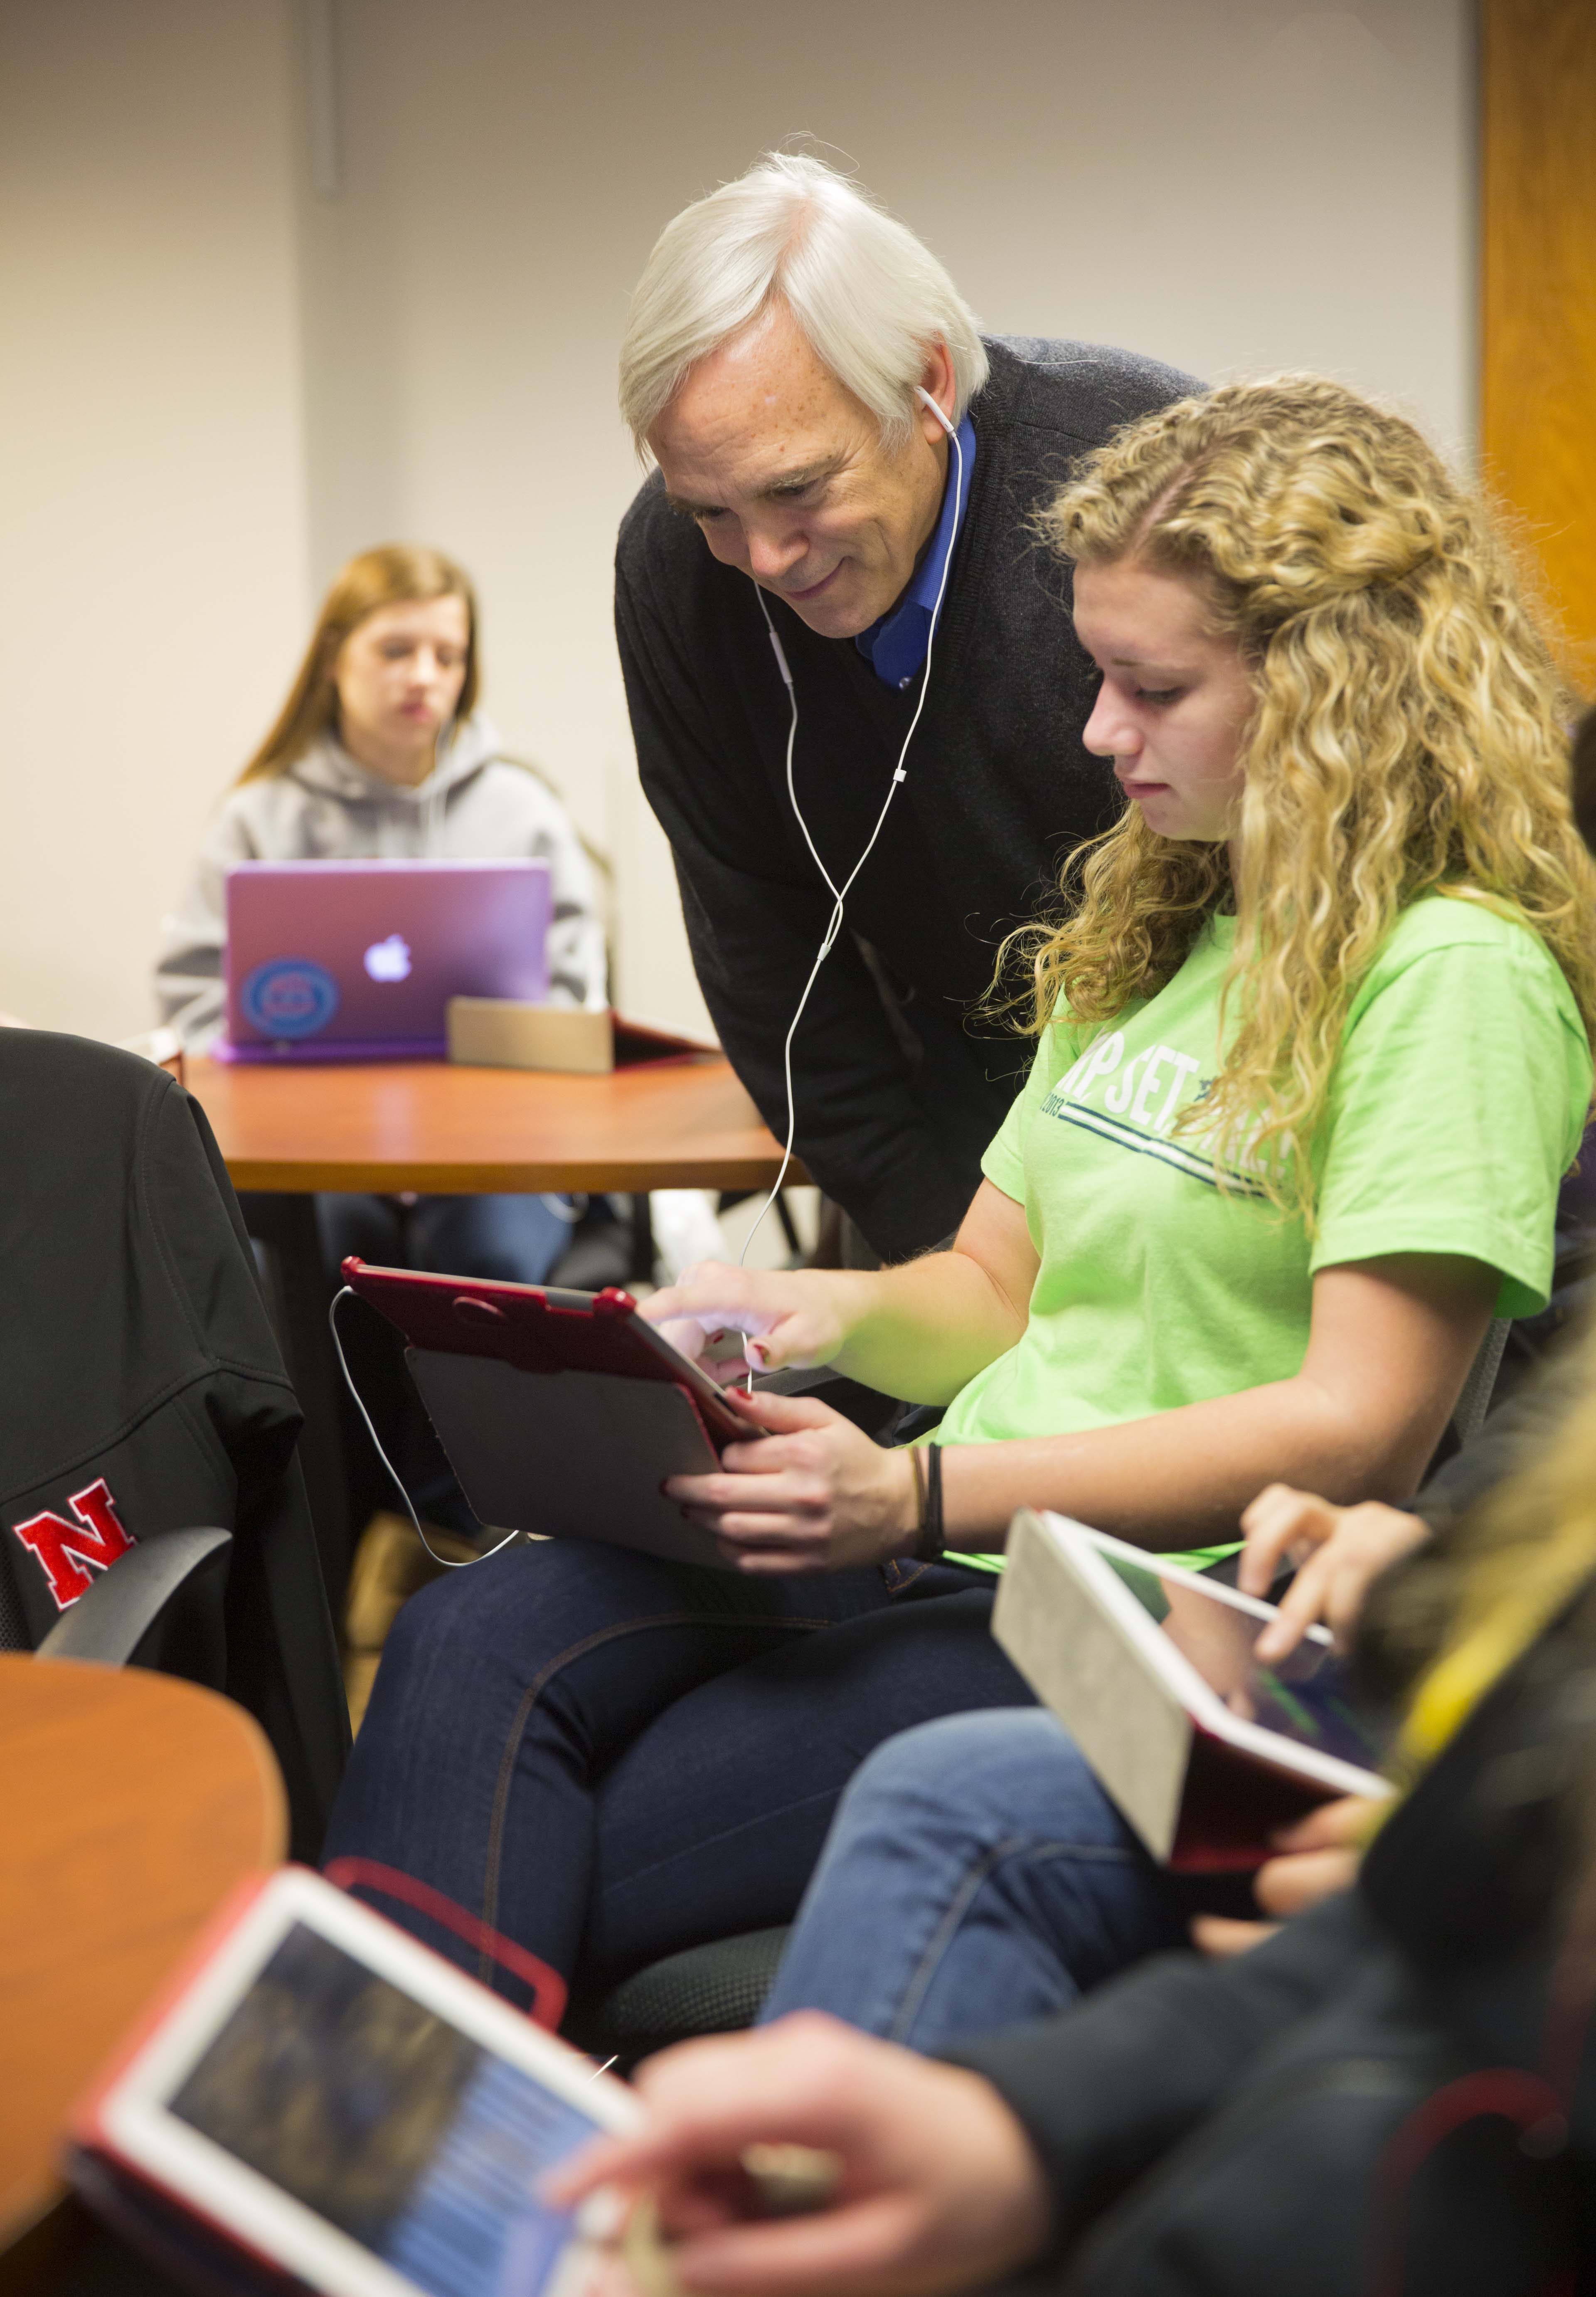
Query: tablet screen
385, 2119
1303, 1699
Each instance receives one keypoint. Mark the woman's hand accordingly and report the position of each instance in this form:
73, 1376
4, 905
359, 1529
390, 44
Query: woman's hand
1341, 1551
1318, 1858
787, 1317
811, 1493
937, 2187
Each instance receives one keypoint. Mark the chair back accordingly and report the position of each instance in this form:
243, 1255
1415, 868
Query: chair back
143, 1394
1475, 1400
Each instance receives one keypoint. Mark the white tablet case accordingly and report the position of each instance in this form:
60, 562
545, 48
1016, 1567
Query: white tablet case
1125, 1719
1138, 1711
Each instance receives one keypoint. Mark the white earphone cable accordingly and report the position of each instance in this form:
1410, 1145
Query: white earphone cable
840, 894
449, 1563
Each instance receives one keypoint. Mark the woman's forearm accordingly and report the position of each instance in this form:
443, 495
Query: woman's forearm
1182, 1477
921, 1331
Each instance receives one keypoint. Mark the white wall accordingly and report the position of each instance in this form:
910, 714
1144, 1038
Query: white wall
1231, 184
152, 511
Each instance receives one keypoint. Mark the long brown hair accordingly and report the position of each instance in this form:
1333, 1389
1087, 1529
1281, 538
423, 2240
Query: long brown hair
393, 575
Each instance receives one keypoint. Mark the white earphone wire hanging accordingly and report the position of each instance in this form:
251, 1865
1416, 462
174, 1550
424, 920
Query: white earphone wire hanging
449, 1563
840, 894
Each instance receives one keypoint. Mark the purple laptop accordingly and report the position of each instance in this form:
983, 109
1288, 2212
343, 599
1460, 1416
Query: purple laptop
357, 960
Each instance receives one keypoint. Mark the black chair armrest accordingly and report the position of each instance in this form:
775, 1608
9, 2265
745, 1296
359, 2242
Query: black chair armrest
159, 1606
866, 1407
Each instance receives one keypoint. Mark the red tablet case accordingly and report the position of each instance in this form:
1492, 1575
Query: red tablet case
196, 2249
561, 1412
1222, 1803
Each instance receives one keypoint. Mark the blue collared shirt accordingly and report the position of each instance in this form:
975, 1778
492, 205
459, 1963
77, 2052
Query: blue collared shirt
896, 645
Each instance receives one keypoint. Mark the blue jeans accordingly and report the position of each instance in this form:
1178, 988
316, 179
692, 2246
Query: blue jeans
976, 1875
609, 1757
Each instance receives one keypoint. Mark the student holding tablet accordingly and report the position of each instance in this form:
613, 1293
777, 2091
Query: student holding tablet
1313, 1054
1394, 2092
381, 751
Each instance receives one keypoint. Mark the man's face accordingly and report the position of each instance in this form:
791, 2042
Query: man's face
784, 471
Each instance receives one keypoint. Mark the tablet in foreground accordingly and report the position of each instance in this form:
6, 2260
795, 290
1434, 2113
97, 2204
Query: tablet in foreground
328, 2100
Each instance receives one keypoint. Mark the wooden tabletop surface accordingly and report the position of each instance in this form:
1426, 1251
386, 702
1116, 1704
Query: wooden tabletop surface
443, 1130
133, 1804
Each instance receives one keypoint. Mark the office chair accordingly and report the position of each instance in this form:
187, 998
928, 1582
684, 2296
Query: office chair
142, 1394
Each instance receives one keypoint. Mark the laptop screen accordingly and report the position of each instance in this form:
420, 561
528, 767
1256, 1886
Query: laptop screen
345, 959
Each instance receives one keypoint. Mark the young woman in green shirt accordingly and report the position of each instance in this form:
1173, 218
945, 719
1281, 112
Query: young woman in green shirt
1314, 1044
1313, 1054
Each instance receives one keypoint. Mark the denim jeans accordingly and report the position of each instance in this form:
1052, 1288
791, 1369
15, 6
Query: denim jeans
977, 1874
608, 1756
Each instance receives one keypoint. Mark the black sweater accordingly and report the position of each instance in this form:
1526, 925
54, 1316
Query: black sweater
896, 1096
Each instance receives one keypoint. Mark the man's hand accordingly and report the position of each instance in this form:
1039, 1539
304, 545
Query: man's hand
814, 1494
938, 2188
795, 1316
1319, 1857
1341, 1550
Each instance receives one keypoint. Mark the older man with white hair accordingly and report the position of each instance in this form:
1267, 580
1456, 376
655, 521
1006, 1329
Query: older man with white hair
823, 410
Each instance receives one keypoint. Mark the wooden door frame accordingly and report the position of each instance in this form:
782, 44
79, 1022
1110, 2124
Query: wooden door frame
1537, 83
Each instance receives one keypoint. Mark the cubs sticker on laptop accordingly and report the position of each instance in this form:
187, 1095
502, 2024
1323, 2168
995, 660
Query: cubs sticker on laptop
290, 997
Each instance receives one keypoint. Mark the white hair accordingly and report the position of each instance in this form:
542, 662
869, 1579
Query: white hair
869, 296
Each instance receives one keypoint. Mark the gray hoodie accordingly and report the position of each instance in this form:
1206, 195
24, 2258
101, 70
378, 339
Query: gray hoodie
476, 805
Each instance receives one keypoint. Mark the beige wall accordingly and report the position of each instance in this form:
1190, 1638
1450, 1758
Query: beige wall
1228, 184
152, 508
1235, 185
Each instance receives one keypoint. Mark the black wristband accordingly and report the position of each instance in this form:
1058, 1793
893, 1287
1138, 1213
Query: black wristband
928, 1547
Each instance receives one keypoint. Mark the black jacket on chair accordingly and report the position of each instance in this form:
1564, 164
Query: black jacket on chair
142, 1390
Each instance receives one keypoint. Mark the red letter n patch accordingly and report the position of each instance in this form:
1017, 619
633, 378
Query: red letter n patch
63, 1548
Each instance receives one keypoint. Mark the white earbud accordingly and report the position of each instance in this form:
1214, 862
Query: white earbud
926, 400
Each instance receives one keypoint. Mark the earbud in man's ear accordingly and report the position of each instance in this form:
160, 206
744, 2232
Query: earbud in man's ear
924, 396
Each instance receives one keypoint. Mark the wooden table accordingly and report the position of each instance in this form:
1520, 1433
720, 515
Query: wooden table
444, 1131
133, 1804
388, 1127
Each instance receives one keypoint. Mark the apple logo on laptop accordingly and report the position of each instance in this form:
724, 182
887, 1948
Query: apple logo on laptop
389, 959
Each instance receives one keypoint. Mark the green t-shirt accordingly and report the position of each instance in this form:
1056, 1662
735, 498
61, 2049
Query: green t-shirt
1457, 1103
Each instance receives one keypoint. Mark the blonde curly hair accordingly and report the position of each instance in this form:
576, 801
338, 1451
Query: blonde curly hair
1409, 736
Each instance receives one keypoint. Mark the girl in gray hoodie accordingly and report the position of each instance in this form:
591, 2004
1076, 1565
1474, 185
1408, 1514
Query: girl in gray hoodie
380, 750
